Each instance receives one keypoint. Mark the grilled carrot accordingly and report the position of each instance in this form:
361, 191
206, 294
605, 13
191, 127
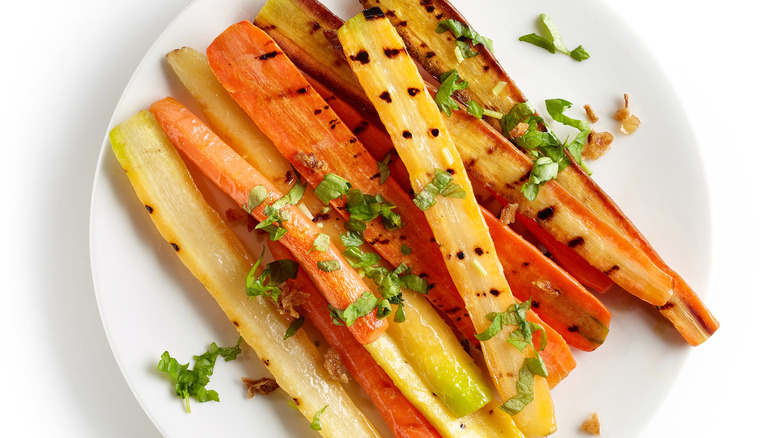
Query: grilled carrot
237, 178
567, 258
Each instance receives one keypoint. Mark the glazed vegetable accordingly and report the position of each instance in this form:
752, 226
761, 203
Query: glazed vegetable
682, 306
205, 244
237, 178
487, 155
390, 79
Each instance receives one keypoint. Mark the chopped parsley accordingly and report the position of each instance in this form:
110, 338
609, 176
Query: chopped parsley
548, 151
321, 243
268, 282
294, 326
328, 265
520, 338
315, 422
275, 216
362, 208
441, 184
384, 168
450, 83
192, 382
464, 34
361, 307
554, 42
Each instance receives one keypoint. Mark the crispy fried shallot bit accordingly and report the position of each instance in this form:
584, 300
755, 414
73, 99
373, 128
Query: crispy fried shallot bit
628, 122
592, 117
290, 298
508, 214
335, 368
310, 161
519, 130
262, 386
598, 143
592, 425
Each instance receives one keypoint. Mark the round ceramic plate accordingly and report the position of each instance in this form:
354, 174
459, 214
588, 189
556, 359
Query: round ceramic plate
150, 303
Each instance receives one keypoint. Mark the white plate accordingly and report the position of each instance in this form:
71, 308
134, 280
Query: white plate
149, 302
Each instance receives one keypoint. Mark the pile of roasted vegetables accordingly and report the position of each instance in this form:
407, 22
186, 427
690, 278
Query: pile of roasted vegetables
361, 176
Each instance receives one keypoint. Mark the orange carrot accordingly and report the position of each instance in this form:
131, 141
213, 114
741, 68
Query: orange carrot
237, 178
559, 300
403, 418
556, 355
567, 258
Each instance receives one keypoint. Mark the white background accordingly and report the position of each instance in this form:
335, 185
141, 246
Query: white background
65, 64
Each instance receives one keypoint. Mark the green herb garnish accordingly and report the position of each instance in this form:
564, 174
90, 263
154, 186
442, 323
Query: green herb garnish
331, 187
554, 42
256, 197
274, 274
328, 265
361, 307
192, 382
450, 82
465, 34
442, 184
275, 216
294, 326
315, 422
321, 243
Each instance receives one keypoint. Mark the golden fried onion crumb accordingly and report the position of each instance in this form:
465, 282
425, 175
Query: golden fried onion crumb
508, 214
628, 122
519, 130
334, 367
592, 117
592, 425
598, 143
289, 298
262, 386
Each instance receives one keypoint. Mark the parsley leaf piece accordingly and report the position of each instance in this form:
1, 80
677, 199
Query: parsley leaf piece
328, 265
442, 184
400, 315
361, 307
256, 197
292, 197
474, 109
556, 108
519, 112
555, 42
495, 327
405, 250
294, 326
315, 422
538, 41
321, 243
351, 238
384, 170
274, 274
463, 31
450, 82
192, 382
414, 283
331, 187
525, 392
